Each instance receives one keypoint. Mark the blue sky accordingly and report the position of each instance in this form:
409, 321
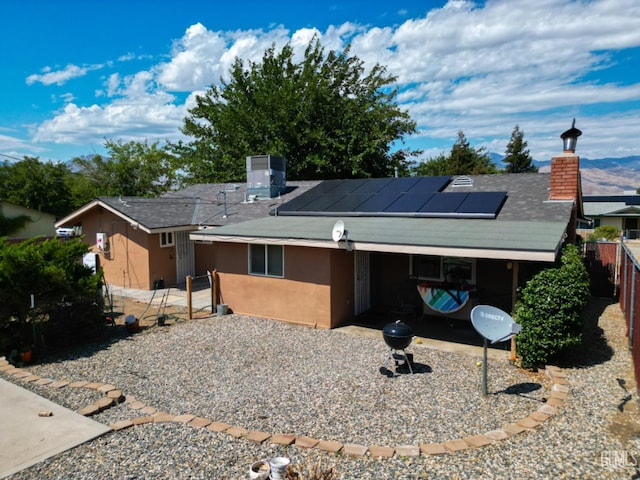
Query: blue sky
74, 73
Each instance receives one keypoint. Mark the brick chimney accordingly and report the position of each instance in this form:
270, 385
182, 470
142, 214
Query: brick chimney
565, 178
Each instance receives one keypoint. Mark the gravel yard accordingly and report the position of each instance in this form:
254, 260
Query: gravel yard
272, 377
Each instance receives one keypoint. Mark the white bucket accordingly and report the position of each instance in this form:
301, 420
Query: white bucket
279, 467
223, 308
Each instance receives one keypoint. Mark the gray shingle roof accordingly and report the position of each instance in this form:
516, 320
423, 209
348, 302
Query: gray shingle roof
527, 223
198, 205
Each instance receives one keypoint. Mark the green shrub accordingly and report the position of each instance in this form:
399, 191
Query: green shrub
608, 232
548, 308
67, 298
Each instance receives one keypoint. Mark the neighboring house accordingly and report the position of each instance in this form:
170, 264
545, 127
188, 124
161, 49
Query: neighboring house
40, 224
346, 247
619, 211
143, 243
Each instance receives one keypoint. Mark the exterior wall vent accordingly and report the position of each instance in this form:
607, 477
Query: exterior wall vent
462, 181
266, 176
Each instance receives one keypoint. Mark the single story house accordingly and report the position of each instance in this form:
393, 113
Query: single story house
619, 211
444, 244
40, 224
143, 243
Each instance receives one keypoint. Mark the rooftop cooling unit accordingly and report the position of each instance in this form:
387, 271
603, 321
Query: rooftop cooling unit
266, 176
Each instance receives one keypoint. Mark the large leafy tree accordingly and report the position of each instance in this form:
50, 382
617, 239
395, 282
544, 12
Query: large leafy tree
130, 169
42, 186
517, 155
325, 114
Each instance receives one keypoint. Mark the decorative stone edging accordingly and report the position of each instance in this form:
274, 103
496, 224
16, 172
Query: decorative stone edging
560, 389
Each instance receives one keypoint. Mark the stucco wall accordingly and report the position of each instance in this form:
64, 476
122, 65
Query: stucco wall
162, 263
133, 258
304, 296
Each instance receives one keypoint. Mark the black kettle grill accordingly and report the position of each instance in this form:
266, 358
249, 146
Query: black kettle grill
398, 336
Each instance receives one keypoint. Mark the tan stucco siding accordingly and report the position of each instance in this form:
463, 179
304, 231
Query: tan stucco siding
303, 296
125, 259
162, 261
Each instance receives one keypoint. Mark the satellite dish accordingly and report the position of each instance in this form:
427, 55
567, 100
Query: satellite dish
493, 324
338, 231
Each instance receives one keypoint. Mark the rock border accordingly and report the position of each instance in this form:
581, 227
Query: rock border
560, 390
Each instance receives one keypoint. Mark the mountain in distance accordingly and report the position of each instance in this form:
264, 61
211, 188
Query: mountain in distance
600, 176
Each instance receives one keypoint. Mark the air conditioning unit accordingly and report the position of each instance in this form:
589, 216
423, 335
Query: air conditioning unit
266, 176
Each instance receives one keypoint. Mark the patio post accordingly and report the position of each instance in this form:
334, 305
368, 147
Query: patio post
189, 306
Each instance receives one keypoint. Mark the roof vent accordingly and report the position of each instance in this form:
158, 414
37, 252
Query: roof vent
462, 181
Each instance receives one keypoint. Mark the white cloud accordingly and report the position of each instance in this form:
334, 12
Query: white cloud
477, 68
60, 77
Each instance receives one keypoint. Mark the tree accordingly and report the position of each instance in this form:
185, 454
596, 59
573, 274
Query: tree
131, 169
466, 160
324, 114
435, 166
42, 186
517, 155
462, 160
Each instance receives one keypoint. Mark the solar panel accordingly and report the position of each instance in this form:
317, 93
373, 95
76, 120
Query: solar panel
488, 203
372, 185
409, 202
349, 203
412, 196
323, 203
429, 184
444, 202
378, 202
299, 203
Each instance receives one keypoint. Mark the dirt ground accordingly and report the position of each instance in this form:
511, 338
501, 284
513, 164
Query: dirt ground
626, 422
148, 314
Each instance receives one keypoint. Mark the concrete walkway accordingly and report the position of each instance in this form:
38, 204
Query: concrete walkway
33, 429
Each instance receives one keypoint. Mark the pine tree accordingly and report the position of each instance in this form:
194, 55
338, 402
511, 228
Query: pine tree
517, 155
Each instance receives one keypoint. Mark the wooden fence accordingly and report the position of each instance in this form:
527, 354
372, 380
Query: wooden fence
630, 301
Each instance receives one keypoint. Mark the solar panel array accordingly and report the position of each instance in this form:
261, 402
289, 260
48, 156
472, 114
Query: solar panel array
406, 196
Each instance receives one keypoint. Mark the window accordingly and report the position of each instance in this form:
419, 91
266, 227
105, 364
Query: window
424, 266
443, 269
266, 260
166, 239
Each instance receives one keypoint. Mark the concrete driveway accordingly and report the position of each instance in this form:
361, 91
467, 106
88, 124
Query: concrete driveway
27, 438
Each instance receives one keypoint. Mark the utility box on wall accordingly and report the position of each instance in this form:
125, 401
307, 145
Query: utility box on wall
101, 241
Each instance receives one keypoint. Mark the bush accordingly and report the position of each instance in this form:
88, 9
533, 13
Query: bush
608, 232
51, 272
549, 307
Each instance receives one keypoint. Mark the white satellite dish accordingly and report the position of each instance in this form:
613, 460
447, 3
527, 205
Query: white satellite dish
338, 231
493, 324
